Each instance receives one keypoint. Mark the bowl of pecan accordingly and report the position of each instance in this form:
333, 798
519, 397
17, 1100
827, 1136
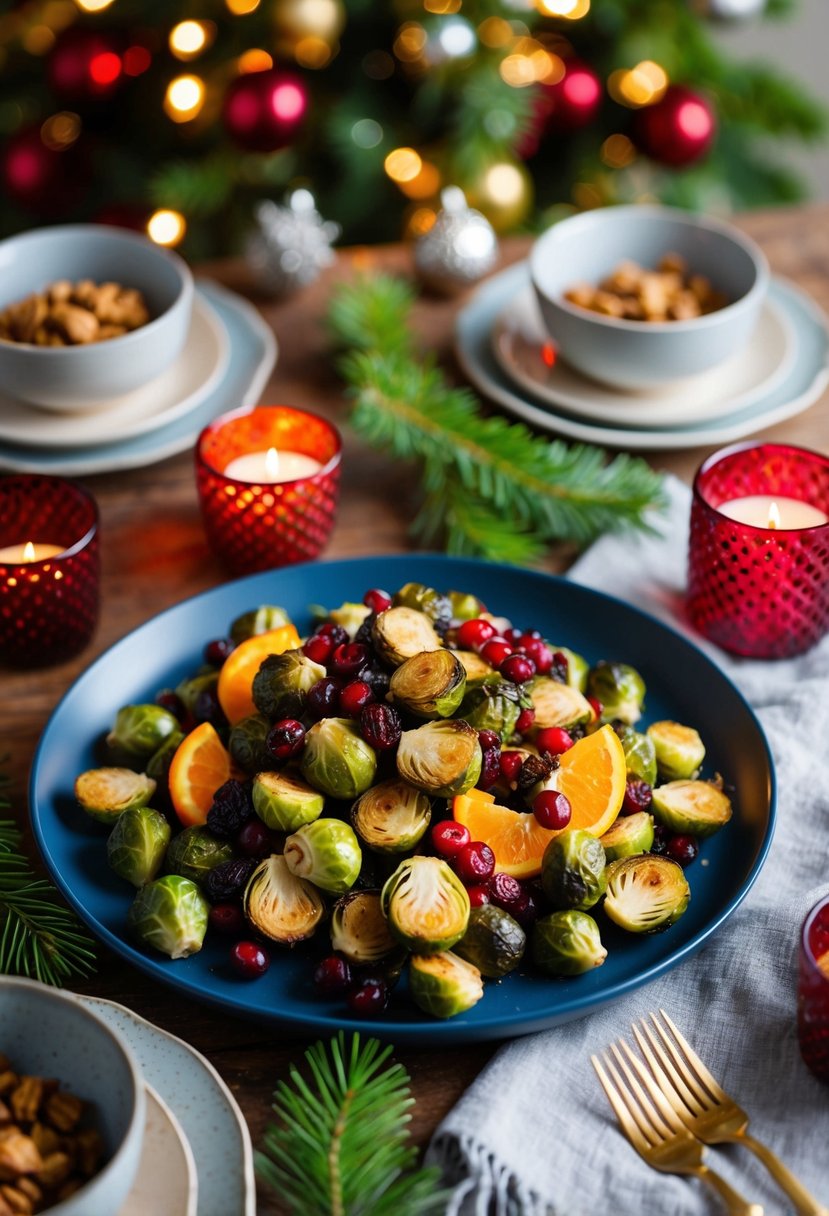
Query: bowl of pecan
642, 296
87, 314
72, 1106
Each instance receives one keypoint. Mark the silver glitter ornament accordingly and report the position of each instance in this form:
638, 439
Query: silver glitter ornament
733, 10
291, 244
459, 248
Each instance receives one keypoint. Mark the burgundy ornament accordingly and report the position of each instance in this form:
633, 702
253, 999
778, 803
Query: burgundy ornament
263, 111
678, 129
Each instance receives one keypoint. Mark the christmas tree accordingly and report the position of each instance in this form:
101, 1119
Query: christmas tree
177, 116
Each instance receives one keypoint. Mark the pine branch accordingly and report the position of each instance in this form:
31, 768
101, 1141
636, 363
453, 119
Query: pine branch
340, 1147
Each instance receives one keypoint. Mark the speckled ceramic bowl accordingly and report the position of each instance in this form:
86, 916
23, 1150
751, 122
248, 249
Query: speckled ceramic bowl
47, 1032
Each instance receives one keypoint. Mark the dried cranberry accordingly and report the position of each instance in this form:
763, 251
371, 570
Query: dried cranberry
490, 768
559, 667
226, 918
478, 896
552, 810
638, 796
535, 770
249, 960
172, 702
449, 837
372, 996
524, 721
228, 879
510, 763
319, 648
495, 651
377, 600
208, 709
506, 891
217, 651
286, 739
475, 863
553, 739
336, 633
355, 697
488, 739
323, 698
596, 705
683, 849
332, 976
473, 634
661, 840
254, 840
232, 808
380, 726
349, 660
536, 650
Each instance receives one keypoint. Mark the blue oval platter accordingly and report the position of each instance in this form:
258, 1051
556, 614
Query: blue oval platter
682, 684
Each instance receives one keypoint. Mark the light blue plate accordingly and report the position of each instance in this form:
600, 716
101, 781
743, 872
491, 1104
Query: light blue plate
252, 356
682, 684
799, 389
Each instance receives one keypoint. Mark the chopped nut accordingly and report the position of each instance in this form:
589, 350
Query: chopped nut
5, 1114
29, 1187
668, 293
18, 1201
59, 291
89, 1151
582, 294
111, 331
608, 304
673, 262
18, 1154
5, 1209
685, 305
26, 1099
63, 1111
54, 1170
84, 292
77, 324
46, 1139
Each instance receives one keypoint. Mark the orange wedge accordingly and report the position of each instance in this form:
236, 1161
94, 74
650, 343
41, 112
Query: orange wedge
591, 774
236, 677
200, 765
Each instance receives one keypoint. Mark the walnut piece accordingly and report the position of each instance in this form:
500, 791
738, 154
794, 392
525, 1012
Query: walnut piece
74, 314
669, 293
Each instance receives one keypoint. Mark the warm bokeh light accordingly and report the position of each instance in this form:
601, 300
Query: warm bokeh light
641, 86
184, 98
421, 220
410, 42
571, 9
254, 60
403, 164
442, 7
586, 195
495, 32
617, 151
313, 52
425, 184
504, 184
530, 63
189, 38
105, 68
136, 59
166, 227
38, 40
240, 7
61, 130
93, 6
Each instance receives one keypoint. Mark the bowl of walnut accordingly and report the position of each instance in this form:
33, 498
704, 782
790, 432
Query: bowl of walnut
87, 314
641, 296
72, 1106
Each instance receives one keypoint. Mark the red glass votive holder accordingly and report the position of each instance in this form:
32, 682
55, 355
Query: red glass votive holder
49, 605
758, 591
257, 525
813, 991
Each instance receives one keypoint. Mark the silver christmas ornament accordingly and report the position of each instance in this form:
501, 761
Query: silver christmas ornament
459, 248
291, 244
733, 10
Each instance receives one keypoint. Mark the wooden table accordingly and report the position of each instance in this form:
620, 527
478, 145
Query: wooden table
155, 555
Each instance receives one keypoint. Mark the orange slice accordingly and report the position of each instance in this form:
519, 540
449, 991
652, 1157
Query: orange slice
591, 774
200, 765
236, 677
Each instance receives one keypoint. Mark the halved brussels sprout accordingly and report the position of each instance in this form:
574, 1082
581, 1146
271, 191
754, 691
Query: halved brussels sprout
567, 943
105, 793
465, 607
577, 667
640, 753
258, 620
443, 758
326, 853
391, 816
679, 750
494, 941
494, 705
620, 688
698, 807
646, 893
284, 801
359, 930
169, 914
247, 743
477, 671
629, 836
557, 704
336, 758
282, 683
194, 852
140, 730
158, 765
137, 844
573, 870
279, 905
429, 685
444, 985
426, 905
434, 604
348, 616
401, 633
190, 689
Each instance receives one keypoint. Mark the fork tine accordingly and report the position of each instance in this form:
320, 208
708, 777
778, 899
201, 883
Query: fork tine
692, 1079
693, 1058
637, 1112
619, 1109
658, 1124
664, 1070
689, 1086
665, 1109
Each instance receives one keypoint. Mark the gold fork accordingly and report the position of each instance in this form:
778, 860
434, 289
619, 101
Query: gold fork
654, 1129
705, 1108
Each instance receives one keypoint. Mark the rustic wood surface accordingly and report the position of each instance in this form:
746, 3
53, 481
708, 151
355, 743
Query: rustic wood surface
155, 555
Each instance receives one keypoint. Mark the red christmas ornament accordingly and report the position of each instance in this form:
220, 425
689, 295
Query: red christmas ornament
563, 106
678, 130
41, 179
264, 110
84, 66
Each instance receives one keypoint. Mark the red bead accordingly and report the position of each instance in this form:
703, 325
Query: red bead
319, 648
511, 763
226, 918
524, 721
349, 659
478, 896
371, 997
517, 668
355, 697
332, 976
506, 891
217, 651
552, 810
596, 705
553, 739
249, 960
475, 863
449, 837
638, 796
472, 634
380, 726
323, 699
683, 849
286, 739
254, 840
488, 739
495, 651
540, 654
377, 600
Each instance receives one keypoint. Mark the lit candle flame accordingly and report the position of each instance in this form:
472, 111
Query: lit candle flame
774, 516
272, 464
28, 552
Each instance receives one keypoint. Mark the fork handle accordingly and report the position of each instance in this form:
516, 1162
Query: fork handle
800, 1197
737, 1206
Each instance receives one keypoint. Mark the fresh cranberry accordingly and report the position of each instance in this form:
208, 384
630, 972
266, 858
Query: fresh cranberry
552, 810
511, 766
226, 918
683, 849
350, 659
332, 976
506, 891
172, 702
478, 896
495, 651
513, 636
319, 648
596, 705
475, 862
490, 768
531, 635
526, 910
377, 600
324, 698
517, 668
449, 837
286, 739
638, 796
337, 634
473, 634
488, 739
661, 840
250, 960
553, 739
540, 654
208, 709
254, 840
524, 721
355, 697
380, 726
217, 651
370, 997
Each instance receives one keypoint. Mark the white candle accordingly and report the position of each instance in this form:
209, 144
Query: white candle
28, 552
772, 511
271, 467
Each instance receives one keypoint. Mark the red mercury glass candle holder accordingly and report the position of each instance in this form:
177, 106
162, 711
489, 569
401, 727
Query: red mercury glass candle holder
48, 605
257, 525
813, 991
759, 591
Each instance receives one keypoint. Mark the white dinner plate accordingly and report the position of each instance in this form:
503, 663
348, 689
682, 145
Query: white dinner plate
166, 1183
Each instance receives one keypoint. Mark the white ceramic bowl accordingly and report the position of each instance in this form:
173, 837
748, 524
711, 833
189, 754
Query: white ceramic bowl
82, 377
638, 354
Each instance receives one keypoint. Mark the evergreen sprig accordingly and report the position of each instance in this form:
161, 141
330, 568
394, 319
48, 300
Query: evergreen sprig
492, 488
340, 1145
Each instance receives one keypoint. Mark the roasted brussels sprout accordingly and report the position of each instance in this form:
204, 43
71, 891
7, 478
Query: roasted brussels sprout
431, 603
429, 685
629, 836
465, 607
247, 743
557, 704
259, 620
577, 667
336, 758
284, 801
640, 753
426, 905
194, 852
573, 870
679, 750
494, 941
137, 844
391, 816
279, 905
698, 807
140, 730
348, 616
444, 985
443, 758
477, 671
620, 688
567, 943
494, 705
326, 853
158, 765
191, 688
283, 682
359, 930
401, 633
646, 893
169, 914
105, 793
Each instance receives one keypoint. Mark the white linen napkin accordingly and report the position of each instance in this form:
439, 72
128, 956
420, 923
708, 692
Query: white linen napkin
534, 1135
